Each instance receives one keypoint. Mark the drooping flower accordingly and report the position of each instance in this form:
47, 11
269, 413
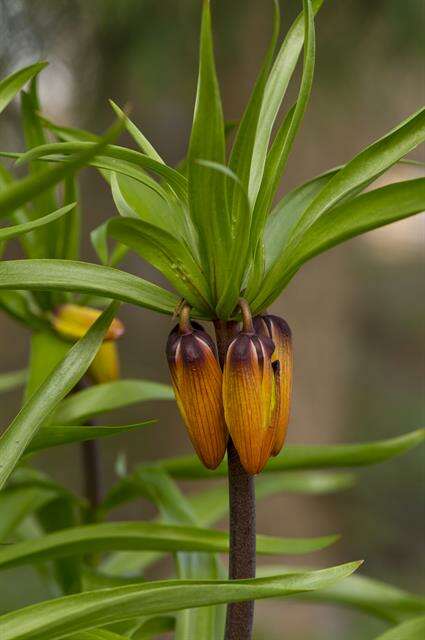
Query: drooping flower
197, 381
278, 330
249, 395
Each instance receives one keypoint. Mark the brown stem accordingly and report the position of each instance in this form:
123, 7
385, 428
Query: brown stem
91, 467
240, 615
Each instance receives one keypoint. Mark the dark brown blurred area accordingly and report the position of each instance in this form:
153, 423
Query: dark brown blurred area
356, 312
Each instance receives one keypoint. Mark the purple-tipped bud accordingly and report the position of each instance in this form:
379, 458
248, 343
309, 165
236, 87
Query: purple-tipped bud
278, 330
197, 381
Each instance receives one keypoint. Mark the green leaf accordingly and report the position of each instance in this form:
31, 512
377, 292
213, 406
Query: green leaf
167, 254
174, 508
307, 457
211, 505
274, 92
206, 188
368, 211
241, 155
136, 134
7, 233
22, 429
238, 260
153, 627
47, 350
282, 144
53, 436
21, 306
45, 201
409, 630
354, 176
70, 275
11, 85
77, 541
365, 594
59, 617
104, 156
286, 214
12, 380
68, 243
24, 190
109, 396
18, 503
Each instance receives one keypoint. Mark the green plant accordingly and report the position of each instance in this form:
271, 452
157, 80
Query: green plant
211, 227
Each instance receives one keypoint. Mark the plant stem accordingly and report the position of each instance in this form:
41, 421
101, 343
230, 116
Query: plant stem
90, 457
240, 615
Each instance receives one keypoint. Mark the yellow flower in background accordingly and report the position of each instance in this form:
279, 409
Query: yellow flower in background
72, 321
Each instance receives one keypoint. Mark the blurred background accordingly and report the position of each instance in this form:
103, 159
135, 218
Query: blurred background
356, 312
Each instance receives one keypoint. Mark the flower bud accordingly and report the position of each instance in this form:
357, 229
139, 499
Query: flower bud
249, 397
197, 381
72, 322
278, 330
106, 364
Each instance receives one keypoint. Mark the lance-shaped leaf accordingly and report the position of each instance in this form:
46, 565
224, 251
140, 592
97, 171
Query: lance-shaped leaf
242, 149
174, 508
354, 176
45, 201
409, 630
287, 212
14, 231
153, 627
11, 85
108, 397
106, 154
136, 134
18, 503
274, 92
308, 457
22, 191
368, 211
60, 617
144, 536
374, 597
20, 432
70, 275
54, 436
206, 187
167, 254
211, 505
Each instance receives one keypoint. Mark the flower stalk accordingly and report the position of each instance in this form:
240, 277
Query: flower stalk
242, 551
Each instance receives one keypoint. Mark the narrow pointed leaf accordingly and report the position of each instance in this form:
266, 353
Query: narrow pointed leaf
359, 592
20, 432
167, 254
77, 541
60, 617
7, 233
368, 211
11, 85
274, 92
109, 396
54, 436
70, 275
206, 188
23, 190
309, 457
